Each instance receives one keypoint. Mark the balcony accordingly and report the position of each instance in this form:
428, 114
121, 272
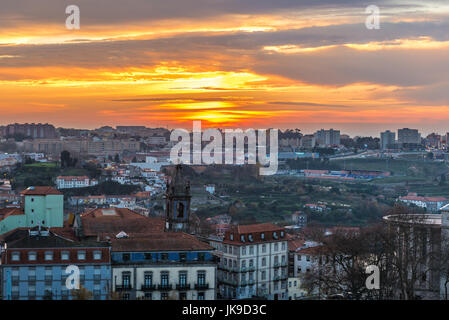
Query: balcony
122, 287
229, 281
280, 264
183, 286
250, 268
164, 287
228, 268
148, 287
201, 286
278, 277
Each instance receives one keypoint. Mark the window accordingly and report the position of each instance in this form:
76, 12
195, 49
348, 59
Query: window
183, 279
15, 256
183, 296
148, 256
264, 248
148, 279
126, 279
32, 256
97, 255
231, 237
201, 278
201, 256
262, 236
81, 255
126, 257
65, 255
164, 278
242, 238
264, 275
264, 262
164, 256
182, 256
251, 263
243, 263
251, 250
200, 295
148, 296
48, 255
164, 296
308, 258
283, 246
276, 247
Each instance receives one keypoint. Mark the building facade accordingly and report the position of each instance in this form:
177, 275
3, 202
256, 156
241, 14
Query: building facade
387, 140
253, 262
164, 266
35, 266
41, 206
409, 136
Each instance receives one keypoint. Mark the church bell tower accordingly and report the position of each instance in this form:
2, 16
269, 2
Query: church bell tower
177, 202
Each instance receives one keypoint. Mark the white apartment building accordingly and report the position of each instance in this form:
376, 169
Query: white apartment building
70, 182
253, 262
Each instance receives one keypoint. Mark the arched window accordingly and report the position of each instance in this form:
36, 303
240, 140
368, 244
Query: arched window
180, 210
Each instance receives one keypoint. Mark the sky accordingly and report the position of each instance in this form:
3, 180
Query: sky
306, 64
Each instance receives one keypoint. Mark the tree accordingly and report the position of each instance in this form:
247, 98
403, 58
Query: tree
81, 294
65, 159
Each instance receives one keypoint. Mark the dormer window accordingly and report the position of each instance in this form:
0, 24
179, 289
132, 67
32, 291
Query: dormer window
242, 238
262, 236
231, 237
32, 256
282, 234
48, 255
15, 256
250, 238
275, 235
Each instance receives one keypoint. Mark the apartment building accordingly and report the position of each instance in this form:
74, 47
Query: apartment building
71, 182
41, 206
163, 266
34, 266
408, 136
387, 140
329, 137
253, 262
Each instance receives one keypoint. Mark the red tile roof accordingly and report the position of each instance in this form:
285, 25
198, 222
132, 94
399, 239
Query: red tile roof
111, 221
40, 191
256, 230
79, 178
160, 241
6, 212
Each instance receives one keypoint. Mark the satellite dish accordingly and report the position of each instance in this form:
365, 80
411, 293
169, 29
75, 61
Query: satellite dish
121, 234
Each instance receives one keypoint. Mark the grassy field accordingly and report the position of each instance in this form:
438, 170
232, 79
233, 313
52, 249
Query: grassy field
41, 165
413, 168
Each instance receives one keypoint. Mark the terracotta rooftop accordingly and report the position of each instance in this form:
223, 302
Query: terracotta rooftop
160, 241
6, 212
256, 231
40, 191
79, 178
111, 221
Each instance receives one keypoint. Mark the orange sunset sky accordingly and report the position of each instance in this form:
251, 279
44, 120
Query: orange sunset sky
249, 63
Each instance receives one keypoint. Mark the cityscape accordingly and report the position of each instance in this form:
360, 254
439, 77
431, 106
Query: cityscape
232, 156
